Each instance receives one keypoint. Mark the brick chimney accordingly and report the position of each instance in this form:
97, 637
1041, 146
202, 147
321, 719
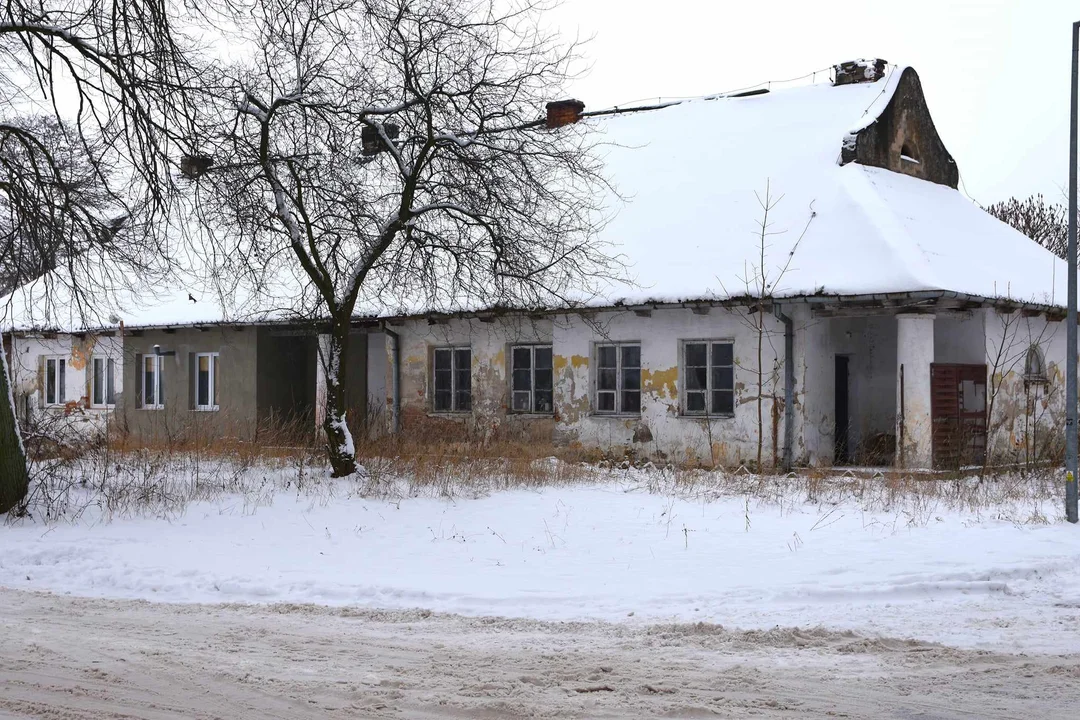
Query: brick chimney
859, 71
564, 112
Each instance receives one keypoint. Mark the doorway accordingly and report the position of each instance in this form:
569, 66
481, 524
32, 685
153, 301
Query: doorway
958, 414
842, 413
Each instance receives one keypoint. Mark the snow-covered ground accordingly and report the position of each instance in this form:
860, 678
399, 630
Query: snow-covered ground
600, 552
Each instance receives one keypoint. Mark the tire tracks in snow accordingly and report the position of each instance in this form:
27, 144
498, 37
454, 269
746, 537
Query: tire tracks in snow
64, 657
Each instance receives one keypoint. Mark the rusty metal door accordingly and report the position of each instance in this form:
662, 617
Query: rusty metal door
958, 414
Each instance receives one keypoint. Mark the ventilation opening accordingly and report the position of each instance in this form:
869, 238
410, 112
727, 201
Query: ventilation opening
908, 154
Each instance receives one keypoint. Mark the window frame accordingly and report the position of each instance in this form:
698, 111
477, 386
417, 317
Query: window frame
709, 387
211, 383
1035, 376
58, 378
110, 379
159, 366
454, 370
619, 410
532, 348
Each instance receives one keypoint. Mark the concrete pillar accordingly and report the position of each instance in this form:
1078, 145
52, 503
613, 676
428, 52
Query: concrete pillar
914, 353
322, 348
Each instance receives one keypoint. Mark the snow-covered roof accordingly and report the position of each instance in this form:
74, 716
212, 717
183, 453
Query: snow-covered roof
693, 177
696, 174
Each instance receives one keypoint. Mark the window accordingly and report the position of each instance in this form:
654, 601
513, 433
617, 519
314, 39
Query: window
453, 379
151, 382
1035, 366
55, 380
102, 382
709, 378
531, 379
206, 381
618, 378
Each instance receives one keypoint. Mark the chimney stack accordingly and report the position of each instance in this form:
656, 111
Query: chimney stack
859, 71
564, 112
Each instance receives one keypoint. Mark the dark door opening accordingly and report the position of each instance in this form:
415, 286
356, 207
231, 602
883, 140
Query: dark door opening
842, 452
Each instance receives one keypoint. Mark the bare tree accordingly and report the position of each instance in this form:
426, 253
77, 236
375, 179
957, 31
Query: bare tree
94, 96
762, 282
1045, 223
389, 156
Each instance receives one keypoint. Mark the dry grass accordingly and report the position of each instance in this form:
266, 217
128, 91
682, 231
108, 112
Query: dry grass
120, 478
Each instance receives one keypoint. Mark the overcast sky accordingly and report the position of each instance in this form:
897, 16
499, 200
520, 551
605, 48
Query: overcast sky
995, 72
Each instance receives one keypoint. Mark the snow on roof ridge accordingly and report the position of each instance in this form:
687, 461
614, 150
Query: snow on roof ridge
763, 87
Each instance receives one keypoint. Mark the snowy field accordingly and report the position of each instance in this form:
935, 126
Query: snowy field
988, 578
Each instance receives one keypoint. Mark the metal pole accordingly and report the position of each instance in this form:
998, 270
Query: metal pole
1070, 336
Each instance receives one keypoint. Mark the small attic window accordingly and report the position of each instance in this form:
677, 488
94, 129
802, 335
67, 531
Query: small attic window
908, 154
1035, 366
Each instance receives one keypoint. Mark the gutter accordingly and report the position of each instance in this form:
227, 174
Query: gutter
789, 386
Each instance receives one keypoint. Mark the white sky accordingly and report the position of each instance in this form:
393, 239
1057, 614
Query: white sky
996, 72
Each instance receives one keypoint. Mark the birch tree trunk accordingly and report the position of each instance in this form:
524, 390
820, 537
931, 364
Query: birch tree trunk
339, 441
14, 475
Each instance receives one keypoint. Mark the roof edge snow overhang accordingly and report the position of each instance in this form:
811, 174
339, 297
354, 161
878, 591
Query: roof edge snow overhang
916, 301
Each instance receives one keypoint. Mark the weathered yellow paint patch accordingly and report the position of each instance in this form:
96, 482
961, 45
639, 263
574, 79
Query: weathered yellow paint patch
81, 351
561, 362
415, 360
660, 382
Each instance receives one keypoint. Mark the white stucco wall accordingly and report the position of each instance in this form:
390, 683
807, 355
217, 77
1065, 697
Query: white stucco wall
870, 345
959, 338
28, 381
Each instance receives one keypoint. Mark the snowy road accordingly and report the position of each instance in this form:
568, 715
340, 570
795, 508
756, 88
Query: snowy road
63, 657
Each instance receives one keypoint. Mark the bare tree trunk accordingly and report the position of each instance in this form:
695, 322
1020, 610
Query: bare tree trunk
14, 476
339, 441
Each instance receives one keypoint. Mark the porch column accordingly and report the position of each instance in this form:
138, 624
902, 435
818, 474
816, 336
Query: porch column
914, 353
321, 350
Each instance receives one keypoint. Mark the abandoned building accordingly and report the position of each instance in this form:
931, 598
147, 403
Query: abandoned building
809, 288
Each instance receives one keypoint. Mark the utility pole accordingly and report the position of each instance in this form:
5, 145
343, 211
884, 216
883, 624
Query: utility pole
1070, 319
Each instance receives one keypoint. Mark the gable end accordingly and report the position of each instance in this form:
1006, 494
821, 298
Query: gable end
903, 138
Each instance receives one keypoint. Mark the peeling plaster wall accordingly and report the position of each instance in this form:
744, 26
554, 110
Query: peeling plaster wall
28, 380
490, 343
1027, 419
871, 343
661, 430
